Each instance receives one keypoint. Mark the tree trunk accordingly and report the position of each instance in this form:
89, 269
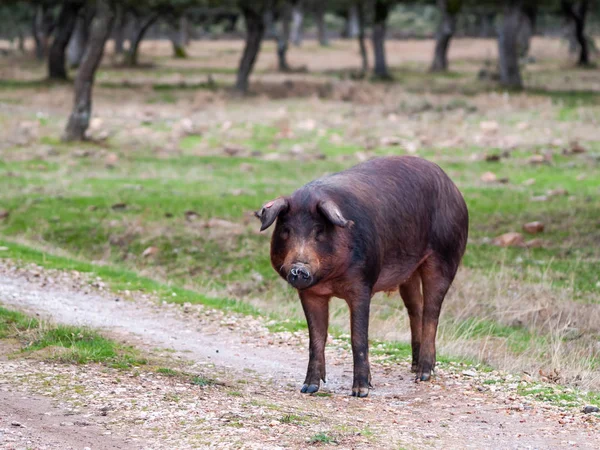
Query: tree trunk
378, 36
184, 29
255, 30
82, 108
577, 12
510, 75
78, 41
178, 38
283, 37
360, 14
138, 36
21, 44
351, 27
62, 34
43, 26
120, 26
321, 28
444, 34
527, 30
297, 20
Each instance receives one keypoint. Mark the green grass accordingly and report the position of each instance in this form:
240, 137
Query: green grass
167, 372
83, 345
321, 438
201, 381
560, 395
14, 322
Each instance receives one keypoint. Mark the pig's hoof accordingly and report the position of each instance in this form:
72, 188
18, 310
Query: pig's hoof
309, 388
360, 392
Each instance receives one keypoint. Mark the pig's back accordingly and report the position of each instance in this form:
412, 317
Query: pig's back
396, 201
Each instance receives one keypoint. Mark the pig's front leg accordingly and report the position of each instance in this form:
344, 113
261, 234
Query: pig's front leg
316, 309
359, 327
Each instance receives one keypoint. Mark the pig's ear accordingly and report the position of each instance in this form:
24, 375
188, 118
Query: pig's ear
269, 212
332, 212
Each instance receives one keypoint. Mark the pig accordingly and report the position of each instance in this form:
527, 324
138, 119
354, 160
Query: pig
388, 223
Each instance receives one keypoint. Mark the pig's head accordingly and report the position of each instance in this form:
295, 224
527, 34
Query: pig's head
310, 237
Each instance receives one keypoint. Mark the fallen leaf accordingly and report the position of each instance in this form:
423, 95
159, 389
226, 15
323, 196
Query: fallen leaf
232, 150
4, 213
574, 148
493, 157
489, 177
521, 126
119, 206
533, 227
150, 251
512, 239
528, 182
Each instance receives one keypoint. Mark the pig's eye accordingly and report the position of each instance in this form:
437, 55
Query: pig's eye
285, 233
320, 234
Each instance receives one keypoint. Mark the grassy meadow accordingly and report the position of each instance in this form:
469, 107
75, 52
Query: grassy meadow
161, 198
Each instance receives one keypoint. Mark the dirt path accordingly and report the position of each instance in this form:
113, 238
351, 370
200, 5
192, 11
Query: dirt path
455, 411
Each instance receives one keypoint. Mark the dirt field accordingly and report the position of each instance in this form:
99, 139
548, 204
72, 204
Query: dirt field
159, 204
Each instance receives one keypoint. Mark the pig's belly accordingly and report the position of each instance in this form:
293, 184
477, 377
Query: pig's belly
393, 275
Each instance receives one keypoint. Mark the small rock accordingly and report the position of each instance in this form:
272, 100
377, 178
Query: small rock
187, 307
489, 177
297, 149
389, 141
534, 243
537, 159
591, 409
539, 198
490, 126
533, 227
512, 239
81, 153
232, 150
111, 160
469, 373
17, 424
150, 251
557, 192
190, 216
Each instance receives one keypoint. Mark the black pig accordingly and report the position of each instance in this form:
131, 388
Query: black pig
388, 223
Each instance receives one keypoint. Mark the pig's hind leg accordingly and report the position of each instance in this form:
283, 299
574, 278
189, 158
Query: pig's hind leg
436, 275
410, 291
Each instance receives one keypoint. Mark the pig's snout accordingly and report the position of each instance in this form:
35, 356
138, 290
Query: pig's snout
300, 276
